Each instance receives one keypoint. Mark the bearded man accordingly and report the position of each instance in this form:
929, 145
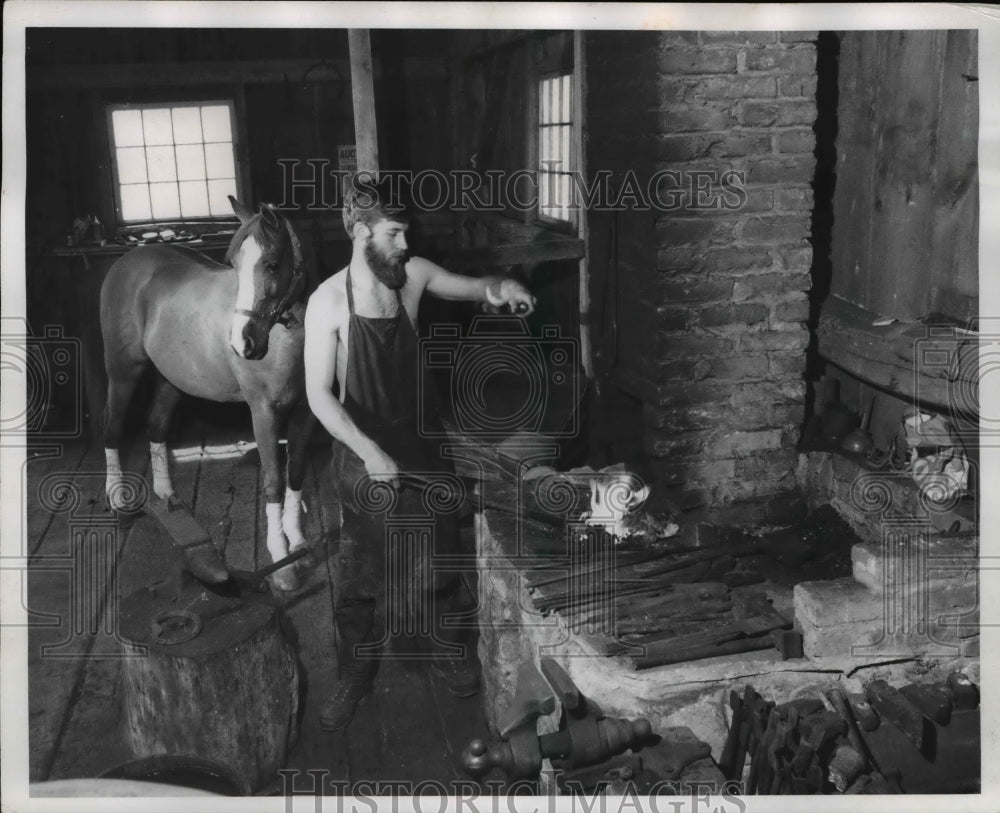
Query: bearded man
360, 335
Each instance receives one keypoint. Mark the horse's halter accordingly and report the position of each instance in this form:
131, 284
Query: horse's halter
291, 295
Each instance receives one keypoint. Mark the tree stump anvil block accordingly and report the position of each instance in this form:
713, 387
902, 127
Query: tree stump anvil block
208, 676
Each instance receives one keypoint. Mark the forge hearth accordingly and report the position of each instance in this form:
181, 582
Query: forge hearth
831, 578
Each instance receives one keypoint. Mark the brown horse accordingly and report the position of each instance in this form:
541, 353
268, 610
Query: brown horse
221, 332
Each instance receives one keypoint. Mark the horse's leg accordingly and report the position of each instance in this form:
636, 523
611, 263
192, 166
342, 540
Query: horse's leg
265, 430
300, 425
165, 400
123, 374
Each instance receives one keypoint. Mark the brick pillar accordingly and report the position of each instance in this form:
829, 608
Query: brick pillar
713, 284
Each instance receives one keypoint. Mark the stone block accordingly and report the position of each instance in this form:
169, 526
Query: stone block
798, 36
937, 562
795, 199
712, 145
688, 289
735, 87
744, 314
735, 444
693, 118
761, 465
756, 285
791, 86
671, 231
855, 644
738, 37
836, 601
774, 229
767, 340
793, 311
738, 367
796, 141
780, 364
674, 60
782, 170
782, 60
737, 260
777, 113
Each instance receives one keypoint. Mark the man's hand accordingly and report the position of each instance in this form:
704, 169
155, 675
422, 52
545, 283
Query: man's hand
381, 468
511, 293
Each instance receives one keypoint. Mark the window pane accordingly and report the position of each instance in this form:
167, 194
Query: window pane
219, 161
543, 94
554, 85
564, 133
217, 191
156, 127
564, 196
566, 97
187, 125
131, 165
164, 199
161, 163
543, 189
135, 202
127, 126
190, 162
215, 123
194, 198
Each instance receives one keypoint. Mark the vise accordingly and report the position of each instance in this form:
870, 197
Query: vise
584, 737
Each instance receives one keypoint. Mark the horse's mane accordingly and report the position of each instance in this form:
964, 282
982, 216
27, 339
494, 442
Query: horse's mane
255, 227
265, 235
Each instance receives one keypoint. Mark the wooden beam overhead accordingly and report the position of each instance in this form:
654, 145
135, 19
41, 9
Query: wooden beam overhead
363, 92
186, 74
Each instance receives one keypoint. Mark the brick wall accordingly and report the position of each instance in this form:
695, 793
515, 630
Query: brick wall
711, 295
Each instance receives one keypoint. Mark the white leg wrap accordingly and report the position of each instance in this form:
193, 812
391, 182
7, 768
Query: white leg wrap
277, 545
291, 519
113, 479
159, 462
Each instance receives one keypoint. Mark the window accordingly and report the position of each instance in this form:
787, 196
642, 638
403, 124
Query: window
555, 158
173, 162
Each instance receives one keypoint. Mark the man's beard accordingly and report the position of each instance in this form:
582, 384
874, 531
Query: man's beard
390, 271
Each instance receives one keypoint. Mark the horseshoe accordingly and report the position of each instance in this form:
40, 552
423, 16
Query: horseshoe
175, 626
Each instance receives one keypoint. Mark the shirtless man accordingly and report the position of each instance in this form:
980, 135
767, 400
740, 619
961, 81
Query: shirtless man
360, 335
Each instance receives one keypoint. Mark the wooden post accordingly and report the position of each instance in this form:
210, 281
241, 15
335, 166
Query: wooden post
363, 92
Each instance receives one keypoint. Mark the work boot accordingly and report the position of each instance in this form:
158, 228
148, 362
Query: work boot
458, 675
338, 711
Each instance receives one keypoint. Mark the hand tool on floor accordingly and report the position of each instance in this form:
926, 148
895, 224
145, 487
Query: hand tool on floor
933, 702
585, 736
200, 558
893, 706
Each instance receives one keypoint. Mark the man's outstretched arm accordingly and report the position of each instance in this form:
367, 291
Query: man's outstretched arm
320, 357
493, 290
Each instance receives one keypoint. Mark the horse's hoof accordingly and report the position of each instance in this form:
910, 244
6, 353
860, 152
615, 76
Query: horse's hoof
286, 579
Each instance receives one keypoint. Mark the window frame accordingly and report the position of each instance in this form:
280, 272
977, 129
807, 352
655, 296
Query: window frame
234, 106
571, 159
549, 56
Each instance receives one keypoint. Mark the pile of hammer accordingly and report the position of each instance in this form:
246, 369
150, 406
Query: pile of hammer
824, 745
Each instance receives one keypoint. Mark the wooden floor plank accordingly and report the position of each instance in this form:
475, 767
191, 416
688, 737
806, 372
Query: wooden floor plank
312, 623
410, 729
58, 655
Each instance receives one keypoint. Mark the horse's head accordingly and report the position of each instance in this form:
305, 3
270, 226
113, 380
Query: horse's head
271, 276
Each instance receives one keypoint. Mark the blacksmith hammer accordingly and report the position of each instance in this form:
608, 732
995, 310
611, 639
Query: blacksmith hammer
585, 736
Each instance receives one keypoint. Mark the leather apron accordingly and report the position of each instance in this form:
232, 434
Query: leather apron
381, 397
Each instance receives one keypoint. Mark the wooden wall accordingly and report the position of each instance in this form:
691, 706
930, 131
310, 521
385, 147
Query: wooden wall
906, 213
